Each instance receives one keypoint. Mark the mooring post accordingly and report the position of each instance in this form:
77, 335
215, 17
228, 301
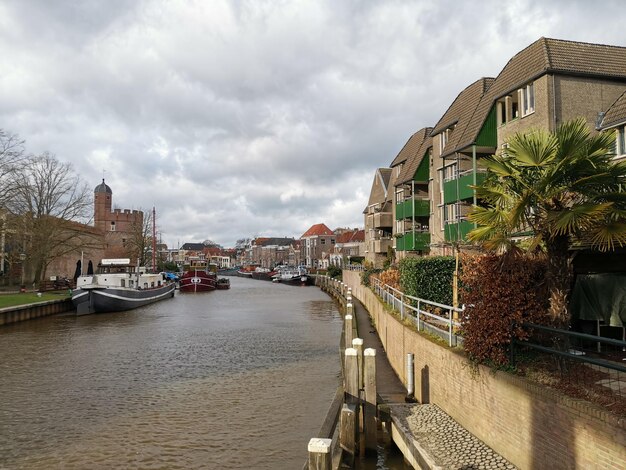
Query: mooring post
348, 331
410, 378
320, 456
351, 379
357, 343
369, 385
347, 431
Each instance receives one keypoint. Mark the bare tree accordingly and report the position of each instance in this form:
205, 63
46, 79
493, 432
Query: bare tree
50, 200
12, 158
139, 241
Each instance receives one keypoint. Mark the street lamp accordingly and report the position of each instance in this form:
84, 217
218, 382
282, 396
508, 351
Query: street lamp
22, 258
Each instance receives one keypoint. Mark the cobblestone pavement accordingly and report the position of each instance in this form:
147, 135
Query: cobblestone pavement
446, 443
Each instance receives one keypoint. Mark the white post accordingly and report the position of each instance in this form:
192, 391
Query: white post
348, 331
410, 377
351, 385
320, 457
369, 385
357, 343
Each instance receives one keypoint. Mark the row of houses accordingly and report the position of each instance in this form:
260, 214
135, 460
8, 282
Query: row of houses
419, 204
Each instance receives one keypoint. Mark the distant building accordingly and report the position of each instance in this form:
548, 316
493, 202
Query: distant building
118, 225
317, 243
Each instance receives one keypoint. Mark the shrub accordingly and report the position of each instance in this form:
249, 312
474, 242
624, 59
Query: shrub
367, 273
428, 278
498, 291
391, 277
333, 271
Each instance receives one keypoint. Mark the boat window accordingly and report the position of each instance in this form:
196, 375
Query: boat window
145, 285
123, 282
152, 284
131, 283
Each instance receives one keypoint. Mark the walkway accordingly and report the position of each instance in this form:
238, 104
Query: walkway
425, 434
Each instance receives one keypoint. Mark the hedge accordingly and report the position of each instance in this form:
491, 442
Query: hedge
429, 278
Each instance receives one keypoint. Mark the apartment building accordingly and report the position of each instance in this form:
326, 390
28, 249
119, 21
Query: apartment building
379, 219
549, 82
317, 243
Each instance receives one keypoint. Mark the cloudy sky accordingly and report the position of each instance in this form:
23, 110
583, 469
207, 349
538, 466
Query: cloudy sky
254, 118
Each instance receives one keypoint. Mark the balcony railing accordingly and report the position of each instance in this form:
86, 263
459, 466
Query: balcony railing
459, 189
419, 207
418, 241
382, 245
458, 231
383, 220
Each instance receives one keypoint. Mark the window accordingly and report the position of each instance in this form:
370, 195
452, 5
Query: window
451, 172
620, 142
113, 226
323, 241
527, 98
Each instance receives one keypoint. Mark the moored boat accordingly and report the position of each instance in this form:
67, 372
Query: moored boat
118, 286
293, 276
263, 274
197, 280
222, 283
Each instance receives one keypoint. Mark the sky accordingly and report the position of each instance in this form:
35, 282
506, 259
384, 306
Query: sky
238, 119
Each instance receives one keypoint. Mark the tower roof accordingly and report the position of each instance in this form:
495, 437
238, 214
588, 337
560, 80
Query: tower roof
102, 188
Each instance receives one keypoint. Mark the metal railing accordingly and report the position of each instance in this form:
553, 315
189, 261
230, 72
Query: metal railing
578, 359
413, 308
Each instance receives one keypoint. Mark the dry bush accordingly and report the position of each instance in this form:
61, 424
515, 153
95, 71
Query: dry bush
499, 290
391, 277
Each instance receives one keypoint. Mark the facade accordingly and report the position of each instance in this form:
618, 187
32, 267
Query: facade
378, 217
544, 85
349, 244
117, 225
268, 252
317, 244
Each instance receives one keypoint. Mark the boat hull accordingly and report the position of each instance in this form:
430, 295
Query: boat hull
199, 281
118, 299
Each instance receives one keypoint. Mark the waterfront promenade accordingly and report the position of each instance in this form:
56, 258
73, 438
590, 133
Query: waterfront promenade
426, 435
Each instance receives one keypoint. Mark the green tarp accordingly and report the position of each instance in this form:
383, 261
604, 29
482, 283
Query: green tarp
600, 297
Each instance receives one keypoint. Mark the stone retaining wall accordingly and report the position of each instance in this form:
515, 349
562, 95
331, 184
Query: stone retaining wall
30, 311
531, 426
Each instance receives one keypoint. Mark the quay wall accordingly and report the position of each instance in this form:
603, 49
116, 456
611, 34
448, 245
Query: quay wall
28, 312
531, 426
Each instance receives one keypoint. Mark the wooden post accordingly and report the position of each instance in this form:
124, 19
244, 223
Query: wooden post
351, 379
348, 331
357, 343
369, 385
347, 430
320, 456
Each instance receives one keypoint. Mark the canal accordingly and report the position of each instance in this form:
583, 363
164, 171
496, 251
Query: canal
231, 379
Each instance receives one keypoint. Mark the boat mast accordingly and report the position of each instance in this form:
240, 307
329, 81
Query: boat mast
153, 239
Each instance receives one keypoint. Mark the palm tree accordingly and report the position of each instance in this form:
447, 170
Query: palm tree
562, 189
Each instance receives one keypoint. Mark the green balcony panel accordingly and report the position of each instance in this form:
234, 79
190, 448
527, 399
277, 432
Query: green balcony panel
407, 209
452, 231
420, 241
464, 190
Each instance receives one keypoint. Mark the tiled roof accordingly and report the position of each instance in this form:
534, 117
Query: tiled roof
268, 241
616, 114
547, 56
379, 186
352, 236
409, 149
462, 106
317, 230
193, 246
410, 167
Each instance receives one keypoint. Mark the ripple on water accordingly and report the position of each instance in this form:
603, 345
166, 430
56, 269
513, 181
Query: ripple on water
230, 380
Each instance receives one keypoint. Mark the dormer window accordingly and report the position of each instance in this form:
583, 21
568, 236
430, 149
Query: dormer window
527, 99
444, 137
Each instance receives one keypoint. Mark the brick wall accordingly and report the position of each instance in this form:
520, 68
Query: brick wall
529, 425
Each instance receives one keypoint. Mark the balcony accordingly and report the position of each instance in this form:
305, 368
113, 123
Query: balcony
463, 183
419, 207
458, 231
418, 241
382, 220
382, 245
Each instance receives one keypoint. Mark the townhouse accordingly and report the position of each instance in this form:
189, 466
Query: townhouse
548, 83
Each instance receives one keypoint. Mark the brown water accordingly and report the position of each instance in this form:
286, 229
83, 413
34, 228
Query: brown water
231, 379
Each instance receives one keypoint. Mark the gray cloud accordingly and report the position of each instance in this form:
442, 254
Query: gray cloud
241, 118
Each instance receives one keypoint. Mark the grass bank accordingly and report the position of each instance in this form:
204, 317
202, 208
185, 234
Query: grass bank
23, 298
